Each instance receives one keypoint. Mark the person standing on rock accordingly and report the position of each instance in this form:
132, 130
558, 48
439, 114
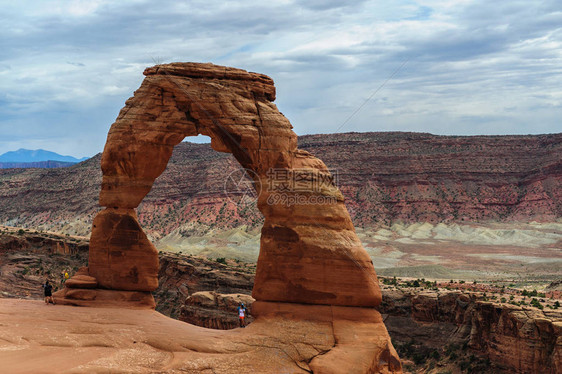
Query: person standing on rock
242, 315
48, 293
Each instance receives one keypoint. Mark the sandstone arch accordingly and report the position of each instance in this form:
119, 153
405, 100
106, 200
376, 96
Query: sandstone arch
315, 285
309, 252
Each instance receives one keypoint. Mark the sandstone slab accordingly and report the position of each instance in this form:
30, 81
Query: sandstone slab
99, 340
81, 280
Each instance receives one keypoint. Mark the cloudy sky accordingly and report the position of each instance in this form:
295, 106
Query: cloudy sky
439, 66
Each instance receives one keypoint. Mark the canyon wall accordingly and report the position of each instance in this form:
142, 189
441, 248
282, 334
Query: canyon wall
515, 339
385, 177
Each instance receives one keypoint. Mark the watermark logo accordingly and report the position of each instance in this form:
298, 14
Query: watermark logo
300, 186
283, 198
284, 186
300, 180
240, 187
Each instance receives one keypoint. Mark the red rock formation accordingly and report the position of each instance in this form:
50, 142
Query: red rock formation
121, 256
525, 341
215, 311
311, 265
515, 339
298, 261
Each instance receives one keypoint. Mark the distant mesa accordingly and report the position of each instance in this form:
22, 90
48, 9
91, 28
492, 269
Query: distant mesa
39, 158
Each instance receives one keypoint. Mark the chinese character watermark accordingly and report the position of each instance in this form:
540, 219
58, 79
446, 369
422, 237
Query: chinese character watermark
284, 186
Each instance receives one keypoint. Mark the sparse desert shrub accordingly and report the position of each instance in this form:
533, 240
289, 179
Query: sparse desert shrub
534, 302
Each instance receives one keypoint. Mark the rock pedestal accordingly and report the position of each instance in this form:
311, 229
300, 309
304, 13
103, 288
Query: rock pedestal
309, 251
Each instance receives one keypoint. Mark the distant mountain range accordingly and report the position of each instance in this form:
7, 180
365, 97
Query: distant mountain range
39, 158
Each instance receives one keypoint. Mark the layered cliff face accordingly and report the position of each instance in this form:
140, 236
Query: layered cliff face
420, 177
385, 177
28, 258
515, 339
62, 199
525, 340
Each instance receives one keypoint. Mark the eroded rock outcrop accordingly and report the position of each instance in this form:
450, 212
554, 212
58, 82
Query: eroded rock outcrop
311, 267
104, 340
515, 339
522, 340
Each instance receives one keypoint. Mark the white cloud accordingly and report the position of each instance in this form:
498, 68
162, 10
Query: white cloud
473, 66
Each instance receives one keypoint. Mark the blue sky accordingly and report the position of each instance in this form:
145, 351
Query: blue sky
461, 67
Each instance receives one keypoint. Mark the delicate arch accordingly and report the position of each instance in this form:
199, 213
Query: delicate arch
309, 251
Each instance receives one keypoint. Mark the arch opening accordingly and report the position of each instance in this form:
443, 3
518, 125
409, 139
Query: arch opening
212, 195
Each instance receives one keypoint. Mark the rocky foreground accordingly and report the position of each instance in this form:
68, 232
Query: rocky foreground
435, 331
39, 338
439, 330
